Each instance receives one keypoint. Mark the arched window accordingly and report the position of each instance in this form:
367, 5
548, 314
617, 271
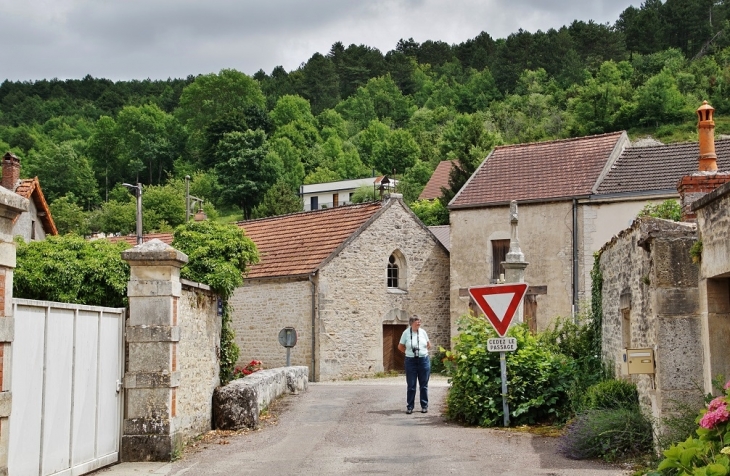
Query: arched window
392, 272
397, 272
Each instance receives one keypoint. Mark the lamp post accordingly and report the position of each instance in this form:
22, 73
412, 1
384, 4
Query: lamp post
137, 191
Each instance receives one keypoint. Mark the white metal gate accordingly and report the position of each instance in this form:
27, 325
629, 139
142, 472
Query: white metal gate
66, 382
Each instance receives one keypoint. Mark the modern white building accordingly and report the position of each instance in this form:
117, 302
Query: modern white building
334, 194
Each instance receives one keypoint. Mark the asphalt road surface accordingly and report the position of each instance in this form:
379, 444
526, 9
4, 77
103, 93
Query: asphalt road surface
360, 427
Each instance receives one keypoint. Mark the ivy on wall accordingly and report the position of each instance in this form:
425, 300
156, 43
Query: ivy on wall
219, 255
596, 321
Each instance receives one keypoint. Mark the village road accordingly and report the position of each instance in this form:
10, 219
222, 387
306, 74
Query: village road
360, 427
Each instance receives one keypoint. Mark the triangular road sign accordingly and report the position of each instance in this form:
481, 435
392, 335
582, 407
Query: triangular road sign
499, 302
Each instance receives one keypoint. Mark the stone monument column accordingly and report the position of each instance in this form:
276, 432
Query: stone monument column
514, 267
152, 334
11, 205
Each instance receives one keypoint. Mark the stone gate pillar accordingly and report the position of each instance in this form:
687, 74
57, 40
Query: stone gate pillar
152, 334
11, 205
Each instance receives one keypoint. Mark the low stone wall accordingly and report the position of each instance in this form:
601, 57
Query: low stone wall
239, 404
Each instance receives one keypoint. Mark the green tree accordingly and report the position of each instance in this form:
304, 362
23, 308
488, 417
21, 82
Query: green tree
293, 168
245, 169
414, 180
467, 141
376, 132
69, 217
291, 108
60, 170
103, 148
659, 101
150, 141
321, 175
280, 199
431, 212
398, 152
212, 96
163, 206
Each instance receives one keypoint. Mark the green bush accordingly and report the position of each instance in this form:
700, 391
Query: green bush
73, 270
609, 433
611, 394
437, 362
579, 340
539, 378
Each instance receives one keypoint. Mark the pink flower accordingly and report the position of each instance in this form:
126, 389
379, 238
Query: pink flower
716, 403
710, 419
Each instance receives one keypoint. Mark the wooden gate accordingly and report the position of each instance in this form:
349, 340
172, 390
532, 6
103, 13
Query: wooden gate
66, 379
393, 359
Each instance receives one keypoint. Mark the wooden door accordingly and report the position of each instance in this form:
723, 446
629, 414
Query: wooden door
393, 359
530, 311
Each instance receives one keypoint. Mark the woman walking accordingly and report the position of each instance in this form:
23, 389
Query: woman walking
414, 342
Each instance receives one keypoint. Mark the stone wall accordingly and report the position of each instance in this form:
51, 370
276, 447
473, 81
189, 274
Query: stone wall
651, 300
355, 302
197, 358
713, 221
261, 309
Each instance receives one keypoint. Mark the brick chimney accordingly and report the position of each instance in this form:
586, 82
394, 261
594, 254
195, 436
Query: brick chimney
698, 184
11, 171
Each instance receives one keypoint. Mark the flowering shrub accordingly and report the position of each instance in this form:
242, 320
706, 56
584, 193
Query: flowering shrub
251, 367
707, 454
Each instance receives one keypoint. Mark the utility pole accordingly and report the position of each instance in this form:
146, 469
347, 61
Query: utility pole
137, 191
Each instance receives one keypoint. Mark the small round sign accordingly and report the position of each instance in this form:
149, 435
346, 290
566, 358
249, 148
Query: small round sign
288, 337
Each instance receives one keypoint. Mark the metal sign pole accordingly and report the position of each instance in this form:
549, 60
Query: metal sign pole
505, 405
288, 356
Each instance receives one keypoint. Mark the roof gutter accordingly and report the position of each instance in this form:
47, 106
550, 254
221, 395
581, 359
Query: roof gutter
521, 202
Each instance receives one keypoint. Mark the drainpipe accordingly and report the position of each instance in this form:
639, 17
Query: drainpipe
314, 323
575, 258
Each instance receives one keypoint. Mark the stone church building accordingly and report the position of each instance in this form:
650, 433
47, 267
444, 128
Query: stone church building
347, 279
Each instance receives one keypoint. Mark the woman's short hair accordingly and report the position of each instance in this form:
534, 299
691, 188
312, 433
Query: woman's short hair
413, 318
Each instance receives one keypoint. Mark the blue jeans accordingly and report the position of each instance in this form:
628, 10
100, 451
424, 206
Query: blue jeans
417, 368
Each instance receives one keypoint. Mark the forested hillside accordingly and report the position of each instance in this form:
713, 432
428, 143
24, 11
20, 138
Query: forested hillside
248, 143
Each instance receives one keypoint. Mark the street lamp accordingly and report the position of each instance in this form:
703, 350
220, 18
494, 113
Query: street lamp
137, 191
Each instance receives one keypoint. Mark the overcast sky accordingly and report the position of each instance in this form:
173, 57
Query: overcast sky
158, 39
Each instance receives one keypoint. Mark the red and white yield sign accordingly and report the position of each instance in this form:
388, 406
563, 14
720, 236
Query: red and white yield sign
499, 302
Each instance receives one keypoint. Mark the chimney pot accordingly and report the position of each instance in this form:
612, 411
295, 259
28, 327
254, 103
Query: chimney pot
706, 132
11, 171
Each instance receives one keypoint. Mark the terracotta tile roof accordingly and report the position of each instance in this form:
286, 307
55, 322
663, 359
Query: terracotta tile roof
132, 239
31, 189
643, 169
293, 244
439, 178
297, 243
443, 234
539, 171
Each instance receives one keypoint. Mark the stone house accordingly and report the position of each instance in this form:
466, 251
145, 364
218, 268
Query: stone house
347, 279
657, 300
37, 222
554, 183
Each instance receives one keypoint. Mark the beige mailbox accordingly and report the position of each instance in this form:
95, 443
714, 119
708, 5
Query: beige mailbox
639, 361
